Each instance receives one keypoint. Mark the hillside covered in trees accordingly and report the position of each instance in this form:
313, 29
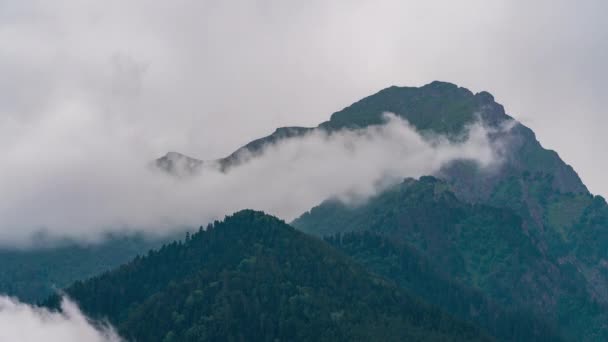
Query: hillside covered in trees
518, 251
253, 277
488, 249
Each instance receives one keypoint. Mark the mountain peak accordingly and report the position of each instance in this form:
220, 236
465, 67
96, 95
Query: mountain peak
442, 86
438, 83
441, 107
253, 277
178, 164
485, 96
174, 156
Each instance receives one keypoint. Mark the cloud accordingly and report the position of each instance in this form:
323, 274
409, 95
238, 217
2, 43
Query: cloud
90, 92
86, 189
27, 323
204, 77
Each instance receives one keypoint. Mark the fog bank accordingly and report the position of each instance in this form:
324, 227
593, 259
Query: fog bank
84, 190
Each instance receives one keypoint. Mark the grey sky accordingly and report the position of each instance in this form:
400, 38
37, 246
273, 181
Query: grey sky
92, 83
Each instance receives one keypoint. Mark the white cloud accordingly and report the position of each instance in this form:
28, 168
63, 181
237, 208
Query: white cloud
91, 91
26, 323
204, 77
86, 188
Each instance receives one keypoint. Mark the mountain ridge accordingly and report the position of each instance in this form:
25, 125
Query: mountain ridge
253, 277
491, 249
524, 237
438, 108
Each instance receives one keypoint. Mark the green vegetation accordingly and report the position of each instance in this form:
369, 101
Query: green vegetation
520, 250
487, 249
34, 274
253, 277
412, 271
438, 107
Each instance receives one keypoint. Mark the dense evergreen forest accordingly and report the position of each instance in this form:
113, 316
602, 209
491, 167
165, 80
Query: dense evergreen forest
412, 271
516, 253
482, 247
253, 277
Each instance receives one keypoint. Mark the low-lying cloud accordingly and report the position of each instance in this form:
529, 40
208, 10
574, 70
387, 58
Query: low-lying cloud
27, 323
81, 190
91, 91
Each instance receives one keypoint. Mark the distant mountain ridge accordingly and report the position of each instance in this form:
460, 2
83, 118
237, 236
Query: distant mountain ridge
34, 274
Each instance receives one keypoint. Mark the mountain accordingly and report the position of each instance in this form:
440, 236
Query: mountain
486, 248
415, 272
520, 251
253, 277
33, 274
436, 108
544, 203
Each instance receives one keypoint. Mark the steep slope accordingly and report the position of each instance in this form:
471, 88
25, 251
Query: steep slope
253, 277
566, 223
527, 235
436, 108
412, 271
488, 248
531, 180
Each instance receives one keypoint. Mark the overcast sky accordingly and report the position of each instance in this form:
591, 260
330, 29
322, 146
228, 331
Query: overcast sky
82, 80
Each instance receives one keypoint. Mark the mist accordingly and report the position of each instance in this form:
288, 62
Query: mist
81, 191
27, 323
91, 92
204, 77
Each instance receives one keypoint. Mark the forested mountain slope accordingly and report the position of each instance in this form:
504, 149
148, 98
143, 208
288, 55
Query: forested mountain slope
552, 233
413, 271
523, 238
437, 108
253, 277
487, 248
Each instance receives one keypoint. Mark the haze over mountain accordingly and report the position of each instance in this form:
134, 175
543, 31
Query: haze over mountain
510, 229
441, 112
533, 182
179, 76
346, 164
337, 162
80, 96
553, 226
333, 162
423, 211
253, 277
